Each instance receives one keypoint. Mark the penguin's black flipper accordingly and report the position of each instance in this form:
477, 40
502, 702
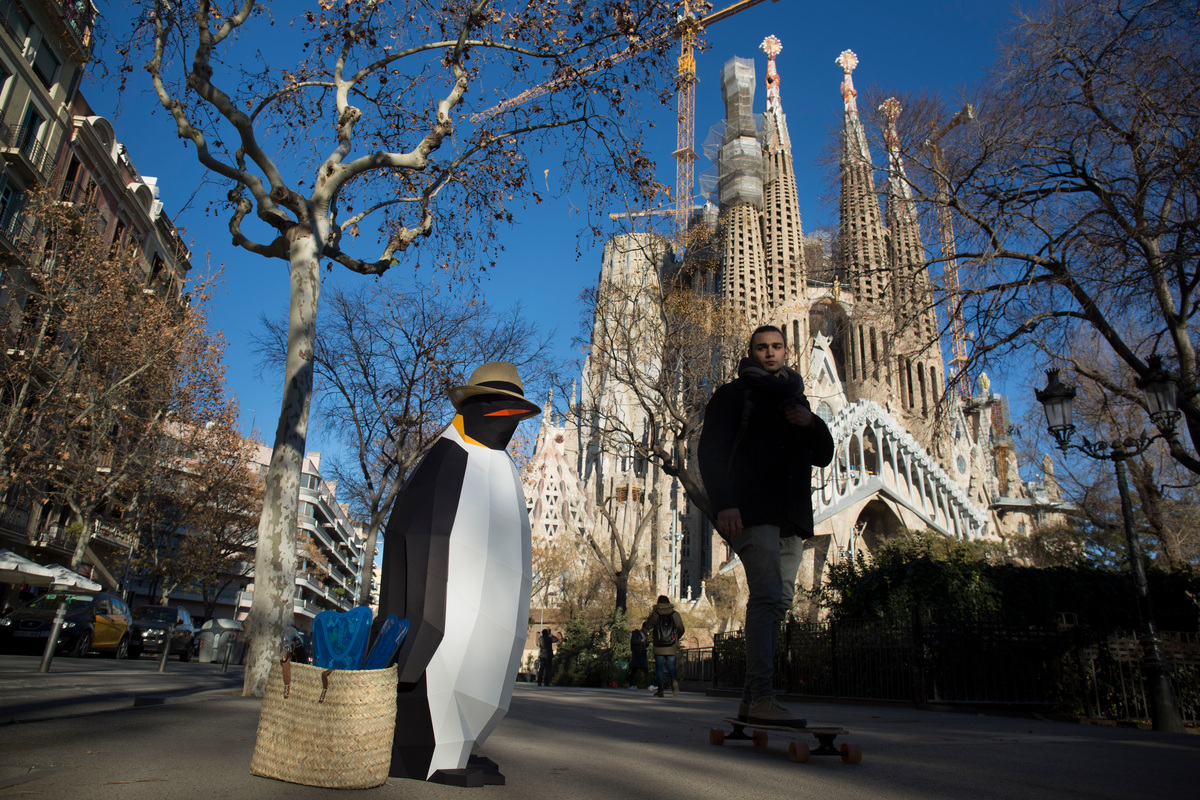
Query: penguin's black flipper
416, 551
413, 585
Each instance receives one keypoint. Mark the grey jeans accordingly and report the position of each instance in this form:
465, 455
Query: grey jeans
771, 563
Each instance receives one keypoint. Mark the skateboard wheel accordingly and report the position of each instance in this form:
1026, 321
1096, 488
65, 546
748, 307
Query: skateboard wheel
760, 738
716, 736
798, 753
851, 753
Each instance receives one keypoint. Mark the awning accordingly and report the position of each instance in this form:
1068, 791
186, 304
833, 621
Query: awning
65, 577
19, 569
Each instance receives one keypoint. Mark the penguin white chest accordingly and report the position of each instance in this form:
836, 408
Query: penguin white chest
470, 677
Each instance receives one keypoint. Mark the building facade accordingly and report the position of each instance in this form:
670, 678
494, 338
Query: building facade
50, 137
860, 318
45, 46
330, 543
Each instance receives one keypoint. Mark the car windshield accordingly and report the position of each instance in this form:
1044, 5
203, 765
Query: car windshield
75, 602
154, 614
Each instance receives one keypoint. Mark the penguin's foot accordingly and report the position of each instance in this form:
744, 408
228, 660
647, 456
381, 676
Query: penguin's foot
480, 771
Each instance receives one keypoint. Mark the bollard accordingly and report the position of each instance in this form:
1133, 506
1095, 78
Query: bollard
168, 637
52, 640
228, 649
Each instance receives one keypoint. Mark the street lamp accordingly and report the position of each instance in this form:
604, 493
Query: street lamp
1159, 391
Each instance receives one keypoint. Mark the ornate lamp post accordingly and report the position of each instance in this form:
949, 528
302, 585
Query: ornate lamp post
1159, 391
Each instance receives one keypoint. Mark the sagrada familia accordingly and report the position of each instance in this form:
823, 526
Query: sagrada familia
914, 450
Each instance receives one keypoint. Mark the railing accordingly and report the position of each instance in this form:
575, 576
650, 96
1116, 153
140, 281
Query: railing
14, 520
16, 227
961, 662
695, 664
113, 535
55, 535
24, 140
898, 466
78, 21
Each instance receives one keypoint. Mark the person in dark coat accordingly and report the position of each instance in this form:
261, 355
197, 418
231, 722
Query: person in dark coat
639, 666
546, 641
756, 453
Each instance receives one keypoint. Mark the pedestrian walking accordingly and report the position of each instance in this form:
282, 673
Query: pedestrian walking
665, 627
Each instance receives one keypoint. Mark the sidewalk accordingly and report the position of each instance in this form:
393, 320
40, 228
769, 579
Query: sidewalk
562, 743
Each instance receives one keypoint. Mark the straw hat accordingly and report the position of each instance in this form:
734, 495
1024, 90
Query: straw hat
494, 377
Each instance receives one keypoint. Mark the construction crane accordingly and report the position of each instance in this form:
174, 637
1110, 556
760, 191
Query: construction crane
958, 336
692, 19
690, 25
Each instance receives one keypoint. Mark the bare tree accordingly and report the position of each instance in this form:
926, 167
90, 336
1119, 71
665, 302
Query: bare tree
97, 369
385, 357
657, 350
198, 516
372, 127
1075, 193
628, 518
1165, 491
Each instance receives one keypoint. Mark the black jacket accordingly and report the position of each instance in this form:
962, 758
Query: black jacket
769, 476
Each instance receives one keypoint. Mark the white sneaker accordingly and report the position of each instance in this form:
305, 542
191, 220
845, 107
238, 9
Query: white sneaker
675, 688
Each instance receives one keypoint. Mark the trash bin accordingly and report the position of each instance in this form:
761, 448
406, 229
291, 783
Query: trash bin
218, 635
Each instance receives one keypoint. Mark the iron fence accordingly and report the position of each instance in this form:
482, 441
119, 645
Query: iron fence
961, 662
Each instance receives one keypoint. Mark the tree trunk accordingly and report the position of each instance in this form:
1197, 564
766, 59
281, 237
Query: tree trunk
368, 565
622, 583
275, 556
85, 538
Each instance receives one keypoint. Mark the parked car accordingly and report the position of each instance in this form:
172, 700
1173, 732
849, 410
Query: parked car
152, 624
93, 621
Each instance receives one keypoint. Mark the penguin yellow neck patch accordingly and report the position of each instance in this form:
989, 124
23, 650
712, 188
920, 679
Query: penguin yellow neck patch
458, 426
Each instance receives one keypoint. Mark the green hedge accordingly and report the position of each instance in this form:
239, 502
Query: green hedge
590, 652
960, 579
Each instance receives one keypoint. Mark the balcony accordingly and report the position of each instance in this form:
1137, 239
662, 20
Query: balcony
75, 22
55, 535
13, 520
25, 154
15, 227
112, 535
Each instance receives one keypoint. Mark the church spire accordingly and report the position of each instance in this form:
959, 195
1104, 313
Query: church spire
864, 259
772, 47
740, 188
783, 245
915, 316
904, 233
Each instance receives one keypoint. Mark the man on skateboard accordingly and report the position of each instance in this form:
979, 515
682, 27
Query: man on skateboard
759, 445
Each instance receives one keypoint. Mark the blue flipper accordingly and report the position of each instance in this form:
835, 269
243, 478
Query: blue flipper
340, 639
391, 635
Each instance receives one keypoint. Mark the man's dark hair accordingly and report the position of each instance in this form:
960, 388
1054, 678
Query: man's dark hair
764, 329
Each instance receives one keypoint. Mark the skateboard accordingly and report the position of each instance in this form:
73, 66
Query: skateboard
798, 752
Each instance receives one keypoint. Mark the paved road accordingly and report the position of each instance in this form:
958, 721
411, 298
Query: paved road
562, 744
77, 686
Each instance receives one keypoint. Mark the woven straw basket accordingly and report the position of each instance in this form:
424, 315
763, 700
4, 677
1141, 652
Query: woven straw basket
343, 741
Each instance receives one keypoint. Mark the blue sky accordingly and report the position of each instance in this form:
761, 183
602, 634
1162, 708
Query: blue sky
937, 46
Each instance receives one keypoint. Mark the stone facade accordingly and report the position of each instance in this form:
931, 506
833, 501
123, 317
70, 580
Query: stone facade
862, 325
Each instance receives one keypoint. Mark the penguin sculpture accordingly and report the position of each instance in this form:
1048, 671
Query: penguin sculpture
456, 563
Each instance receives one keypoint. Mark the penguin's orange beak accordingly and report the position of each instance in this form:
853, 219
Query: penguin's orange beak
507, 412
